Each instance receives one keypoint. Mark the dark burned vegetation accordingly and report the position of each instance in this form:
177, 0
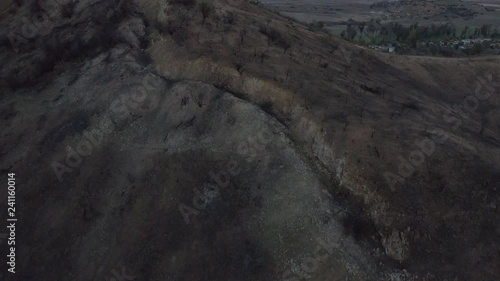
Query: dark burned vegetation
359, 227
187, 3
88, 35
363, 111
275, 37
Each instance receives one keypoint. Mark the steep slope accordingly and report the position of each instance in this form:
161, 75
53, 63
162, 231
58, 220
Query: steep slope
317, 132
363, 115
180, 181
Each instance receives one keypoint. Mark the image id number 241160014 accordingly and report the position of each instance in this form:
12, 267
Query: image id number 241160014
11, 222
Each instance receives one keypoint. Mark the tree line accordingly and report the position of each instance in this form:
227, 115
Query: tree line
376, 32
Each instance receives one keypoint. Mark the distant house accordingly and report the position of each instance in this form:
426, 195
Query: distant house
389, 48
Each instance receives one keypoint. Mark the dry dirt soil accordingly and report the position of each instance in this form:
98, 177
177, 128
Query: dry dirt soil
174, 140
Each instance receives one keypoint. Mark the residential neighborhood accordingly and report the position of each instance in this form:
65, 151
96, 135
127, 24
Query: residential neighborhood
463, 47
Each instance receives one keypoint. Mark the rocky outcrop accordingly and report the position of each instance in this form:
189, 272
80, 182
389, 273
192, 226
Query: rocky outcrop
147, 178
157, 142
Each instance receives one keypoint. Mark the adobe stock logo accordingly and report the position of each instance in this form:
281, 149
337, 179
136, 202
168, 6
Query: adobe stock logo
39, 23
120, 109
120, 276
250, 149
485, 89
305, 269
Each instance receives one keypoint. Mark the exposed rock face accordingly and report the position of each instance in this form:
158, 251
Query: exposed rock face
157, 179
397, 245
146, 149
164, 177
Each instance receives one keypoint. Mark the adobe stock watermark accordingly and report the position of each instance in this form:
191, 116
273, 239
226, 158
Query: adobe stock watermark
120, 276
91, 139
485, 89
38, 24
310, 264
250, 148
